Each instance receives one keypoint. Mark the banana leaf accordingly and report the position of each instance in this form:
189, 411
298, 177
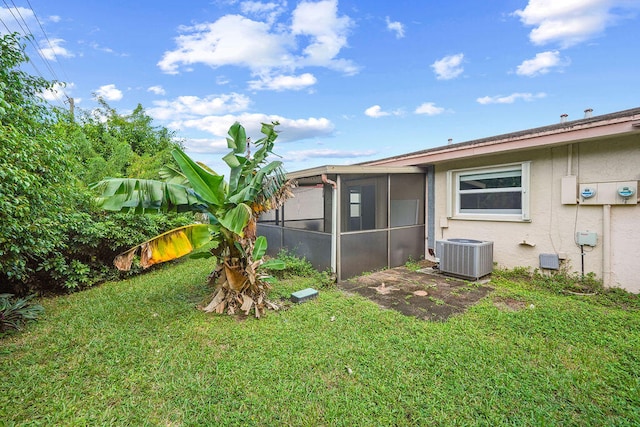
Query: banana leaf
166, 247
236, 218
143, 194
209, 186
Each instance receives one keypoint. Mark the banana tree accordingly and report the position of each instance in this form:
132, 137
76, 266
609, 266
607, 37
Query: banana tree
232, 207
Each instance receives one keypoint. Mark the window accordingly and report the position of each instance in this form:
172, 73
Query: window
362, 207
496, 193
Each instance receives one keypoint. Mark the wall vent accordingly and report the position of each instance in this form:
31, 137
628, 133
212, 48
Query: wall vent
466, 258
550, 261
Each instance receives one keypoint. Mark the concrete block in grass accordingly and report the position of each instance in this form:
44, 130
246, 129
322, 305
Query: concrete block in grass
304, 295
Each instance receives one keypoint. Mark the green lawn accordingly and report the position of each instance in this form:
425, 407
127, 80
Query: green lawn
137, 352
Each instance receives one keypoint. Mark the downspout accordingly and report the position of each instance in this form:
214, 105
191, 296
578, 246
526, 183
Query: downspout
326, 180
606, 245
431, 211
334, 223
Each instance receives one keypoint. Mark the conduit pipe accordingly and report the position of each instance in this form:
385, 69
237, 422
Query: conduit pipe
606, 245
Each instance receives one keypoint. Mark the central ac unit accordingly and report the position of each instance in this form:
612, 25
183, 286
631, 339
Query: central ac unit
466, 258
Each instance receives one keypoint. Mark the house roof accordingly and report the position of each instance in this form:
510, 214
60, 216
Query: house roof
602, 126
352, 169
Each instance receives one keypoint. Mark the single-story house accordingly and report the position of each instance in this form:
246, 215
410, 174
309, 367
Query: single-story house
559, 196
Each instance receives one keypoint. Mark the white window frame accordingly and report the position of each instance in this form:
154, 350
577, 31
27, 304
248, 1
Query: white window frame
453, 192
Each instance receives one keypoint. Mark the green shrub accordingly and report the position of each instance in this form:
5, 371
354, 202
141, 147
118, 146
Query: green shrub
50, 237
413, 265
14, 313
571, 284
300, 267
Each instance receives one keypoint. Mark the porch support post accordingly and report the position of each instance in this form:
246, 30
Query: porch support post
336, 228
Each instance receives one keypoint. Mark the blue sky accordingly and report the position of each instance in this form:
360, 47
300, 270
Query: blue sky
349, 80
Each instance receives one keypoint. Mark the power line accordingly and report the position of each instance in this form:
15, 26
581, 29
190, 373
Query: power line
30, 38
47, 38
28, 31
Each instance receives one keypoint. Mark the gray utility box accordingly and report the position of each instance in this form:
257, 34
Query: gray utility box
466, 258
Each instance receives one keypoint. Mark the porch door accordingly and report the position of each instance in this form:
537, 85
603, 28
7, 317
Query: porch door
362, 207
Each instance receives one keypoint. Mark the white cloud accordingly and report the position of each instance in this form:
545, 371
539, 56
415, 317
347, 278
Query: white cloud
222, 80
109, 93
54, 18
270, 11
396, 27
429, 108
289, 129
448, 67
231, 40
207, 145
158, 90
54, 49
10, 17
328, 33
58, 92
542, 63
510, 99
314, 36
325, 153
283, 82
375, 111
191, 107
569, 22
258, 7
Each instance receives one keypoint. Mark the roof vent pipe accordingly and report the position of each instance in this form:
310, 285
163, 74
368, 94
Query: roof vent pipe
563, 118
449, 141
587, 113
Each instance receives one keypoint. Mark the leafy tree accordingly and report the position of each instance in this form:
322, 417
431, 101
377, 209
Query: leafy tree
34, 172
232, 207
51, 237
109, 144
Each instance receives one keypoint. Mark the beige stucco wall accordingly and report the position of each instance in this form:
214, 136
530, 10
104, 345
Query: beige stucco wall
553, 225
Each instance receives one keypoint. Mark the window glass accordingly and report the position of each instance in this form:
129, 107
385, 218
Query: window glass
491, 193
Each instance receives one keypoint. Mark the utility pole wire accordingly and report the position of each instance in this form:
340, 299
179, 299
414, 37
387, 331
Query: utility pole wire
48, 41
30, 37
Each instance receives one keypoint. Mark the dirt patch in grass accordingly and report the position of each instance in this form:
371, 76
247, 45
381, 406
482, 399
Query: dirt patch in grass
509, 304
426, 293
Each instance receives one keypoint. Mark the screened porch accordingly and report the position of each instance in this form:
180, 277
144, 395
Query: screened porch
351, 219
